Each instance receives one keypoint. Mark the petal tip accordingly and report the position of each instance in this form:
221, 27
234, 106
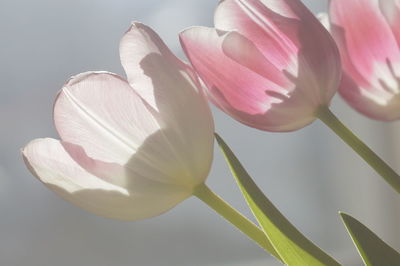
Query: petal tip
183, 33
26, 154
135, 25
191, 29
85, 75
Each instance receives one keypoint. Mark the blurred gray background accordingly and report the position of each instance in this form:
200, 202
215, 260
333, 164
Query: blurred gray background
310, 174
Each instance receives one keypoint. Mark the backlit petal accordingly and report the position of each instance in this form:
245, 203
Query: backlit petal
370, 55
366, 41
391, 10
100, 112
172, 89
239, 83
48, 160
290, 37
268, 26
269, 64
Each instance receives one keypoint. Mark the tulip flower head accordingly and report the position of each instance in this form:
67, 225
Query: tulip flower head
129, 149
368, 35
269, 64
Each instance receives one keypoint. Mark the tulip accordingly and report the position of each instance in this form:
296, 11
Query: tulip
368, 35
269, 64
272, 65
133, 149
129, 149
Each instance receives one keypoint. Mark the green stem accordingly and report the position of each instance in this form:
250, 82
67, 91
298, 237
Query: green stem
216, 203
382, 168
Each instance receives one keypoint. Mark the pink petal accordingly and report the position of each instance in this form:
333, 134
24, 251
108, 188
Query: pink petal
269, 26
101, 112
391, 10
379, 105
239, 83
288, 35
270, 64
48, 160
243, 51
365, 40
205, 49
173, 90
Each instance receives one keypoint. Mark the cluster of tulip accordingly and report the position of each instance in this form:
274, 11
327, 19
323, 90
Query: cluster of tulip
134, 148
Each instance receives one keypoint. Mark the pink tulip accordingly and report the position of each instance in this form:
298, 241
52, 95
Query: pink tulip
129, 149
269, 64
368, 35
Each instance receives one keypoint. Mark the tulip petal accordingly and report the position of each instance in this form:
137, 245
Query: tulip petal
173, 90
240, 85
289, 36
48, 160
379, 105
266, 61
261, 24
242, 50
366, 42
100, 112
205, 48
391, 10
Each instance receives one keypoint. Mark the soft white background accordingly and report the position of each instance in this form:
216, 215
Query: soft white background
309, 174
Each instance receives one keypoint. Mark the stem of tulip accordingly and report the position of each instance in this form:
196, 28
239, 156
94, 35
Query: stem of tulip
382, 168
205, 194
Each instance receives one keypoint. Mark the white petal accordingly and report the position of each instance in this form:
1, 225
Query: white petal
171, 87
48, 160
100, 112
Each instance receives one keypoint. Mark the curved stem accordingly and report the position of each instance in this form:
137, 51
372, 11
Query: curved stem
382, 168
247, 227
